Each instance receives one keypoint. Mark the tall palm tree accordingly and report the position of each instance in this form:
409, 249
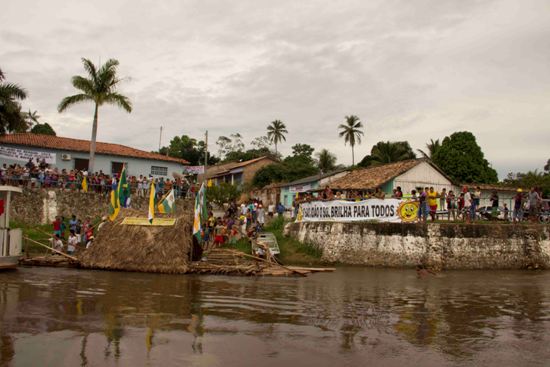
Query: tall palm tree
326, 161
10, 109
276, 132
351, 131
99, 86
391, 151
432, 146
32, 117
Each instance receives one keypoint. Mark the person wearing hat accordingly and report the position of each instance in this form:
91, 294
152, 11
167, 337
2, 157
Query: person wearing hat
518, 206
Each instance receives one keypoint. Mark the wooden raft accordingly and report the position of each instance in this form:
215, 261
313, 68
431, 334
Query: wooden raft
233, 262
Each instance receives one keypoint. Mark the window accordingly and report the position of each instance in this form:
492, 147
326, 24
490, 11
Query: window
116, 167
159, 171
81, 164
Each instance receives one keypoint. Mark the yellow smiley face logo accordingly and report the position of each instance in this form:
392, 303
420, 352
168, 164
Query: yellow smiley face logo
408, 211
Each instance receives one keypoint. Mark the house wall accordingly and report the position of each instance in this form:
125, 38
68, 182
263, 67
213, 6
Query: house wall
135, 166
287, 197
421, 175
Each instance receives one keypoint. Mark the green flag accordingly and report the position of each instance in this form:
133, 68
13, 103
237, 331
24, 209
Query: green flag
123, 189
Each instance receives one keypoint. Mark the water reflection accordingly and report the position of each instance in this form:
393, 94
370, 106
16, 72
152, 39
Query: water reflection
70, 317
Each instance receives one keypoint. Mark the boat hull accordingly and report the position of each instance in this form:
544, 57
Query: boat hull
8, 262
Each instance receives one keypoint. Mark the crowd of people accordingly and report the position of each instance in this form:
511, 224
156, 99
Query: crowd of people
238, 221
80, 234
445, 204
40, 175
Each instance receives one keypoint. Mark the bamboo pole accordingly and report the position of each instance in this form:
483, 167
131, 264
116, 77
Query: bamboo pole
269, 262
51, 248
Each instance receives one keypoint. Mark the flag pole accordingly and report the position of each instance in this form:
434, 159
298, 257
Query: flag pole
205, 152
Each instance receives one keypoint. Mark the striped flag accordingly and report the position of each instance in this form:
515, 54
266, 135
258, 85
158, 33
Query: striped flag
152, 195
166, 205
201, 212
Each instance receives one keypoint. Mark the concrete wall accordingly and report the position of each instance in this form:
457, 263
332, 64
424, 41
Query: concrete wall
135, 166
446, 246
40, 206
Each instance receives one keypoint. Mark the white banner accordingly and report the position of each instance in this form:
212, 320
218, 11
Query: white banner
23, 155
193, 170
383, 210
300, 188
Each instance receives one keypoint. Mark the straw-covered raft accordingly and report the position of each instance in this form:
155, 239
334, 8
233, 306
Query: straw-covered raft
156, 249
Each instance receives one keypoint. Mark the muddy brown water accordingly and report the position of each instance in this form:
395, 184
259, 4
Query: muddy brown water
353, 317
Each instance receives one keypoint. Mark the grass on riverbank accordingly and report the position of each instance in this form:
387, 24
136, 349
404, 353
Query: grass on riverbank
38, 232
293, 252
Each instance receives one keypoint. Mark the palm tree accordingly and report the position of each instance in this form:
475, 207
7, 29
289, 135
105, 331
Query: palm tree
276, 132
99, 87
32, 117
10, 108
352, 132
390, 151
432, 146
326, 161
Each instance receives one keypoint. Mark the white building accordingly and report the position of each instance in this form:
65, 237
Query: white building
67, 153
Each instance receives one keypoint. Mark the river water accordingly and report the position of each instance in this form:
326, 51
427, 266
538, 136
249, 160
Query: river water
352, 317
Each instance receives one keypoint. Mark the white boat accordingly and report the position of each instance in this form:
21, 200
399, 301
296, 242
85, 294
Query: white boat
268, 239
10, 238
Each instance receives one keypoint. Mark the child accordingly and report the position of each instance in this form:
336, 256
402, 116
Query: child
506, 212
72, 243
56, 242
57, 227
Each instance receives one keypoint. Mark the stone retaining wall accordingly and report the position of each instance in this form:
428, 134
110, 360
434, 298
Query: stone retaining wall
40, 206
446, 246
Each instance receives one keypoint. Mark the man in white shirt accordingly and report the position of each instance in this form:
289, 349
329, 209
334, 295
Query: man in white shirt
468, 204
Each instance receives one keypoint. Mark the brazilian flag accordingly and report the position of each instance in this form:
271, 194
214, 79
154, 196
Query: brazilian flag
119, 197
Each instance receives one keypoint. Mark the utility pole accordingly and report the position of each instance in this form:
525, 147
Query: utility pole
160, 138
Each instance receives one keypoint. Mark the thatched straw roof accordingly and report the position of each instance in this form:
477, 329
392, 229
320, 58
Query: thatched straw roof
141, 248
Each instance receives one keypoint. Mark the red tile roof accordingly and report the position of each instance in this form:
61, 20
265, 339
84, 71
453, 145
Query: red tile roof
78, 145
223, 169
374, 176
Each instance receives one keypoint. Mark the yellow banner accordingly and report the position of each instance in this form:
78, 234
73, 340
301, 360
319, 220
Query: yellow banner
134, 221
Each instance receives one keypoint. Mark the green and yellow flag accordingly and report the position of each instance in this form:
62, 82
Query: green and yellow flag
119, 197
167, 204
114, 205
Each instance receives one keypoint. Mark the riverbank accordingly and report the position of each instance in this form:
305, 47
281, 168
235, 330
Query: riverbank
437, 245
293, 252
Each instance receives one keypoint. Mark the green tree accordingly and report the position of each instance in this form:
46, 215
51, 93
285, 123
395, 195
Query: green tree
223, 193
99, 87
276, 133
326, 161
11, 118
385, 152
547, 166
351, 131
229, 146
461, 158
529, 179
432, 147
43, 129
188, 148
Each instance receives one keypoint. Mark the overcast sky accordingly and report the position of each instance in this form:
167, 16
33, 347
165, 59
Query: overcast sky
411, 70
